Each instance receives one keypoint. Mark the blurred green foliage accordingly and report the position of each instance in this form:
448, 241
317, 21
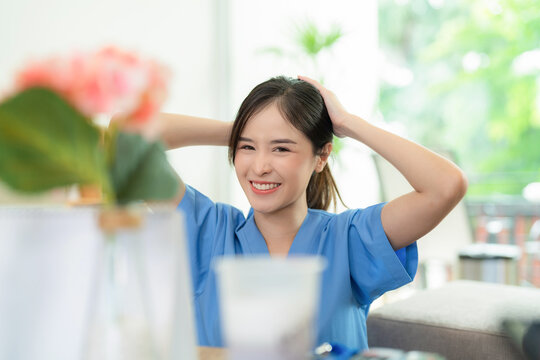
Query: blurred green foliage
309, 42
465, 76
46, 143
312, 40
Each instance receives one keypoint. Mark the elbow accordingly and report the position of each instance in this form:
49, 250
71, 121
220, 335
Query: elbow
462, 184
455, 187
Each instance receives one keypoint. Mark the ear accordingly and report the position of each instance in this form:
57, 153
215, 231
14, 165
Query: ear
322, 159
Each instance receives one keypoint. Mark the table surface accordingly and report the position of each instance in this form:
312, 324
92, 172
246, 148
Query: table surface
210, 353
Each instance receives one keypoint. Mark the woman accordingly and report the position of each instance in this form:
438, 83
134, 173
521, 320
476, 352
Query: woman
279, 145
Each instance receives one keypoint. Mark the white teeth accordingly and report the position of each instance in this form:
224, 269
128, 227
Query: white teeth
264, 186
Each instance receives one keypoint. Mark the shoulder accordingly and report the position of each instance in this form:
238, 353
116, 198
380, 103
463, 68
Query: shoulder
362, 216
370, 216
200, 207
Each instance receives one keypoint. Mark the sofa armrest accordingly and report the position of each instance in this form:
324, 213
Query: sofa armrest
461, 320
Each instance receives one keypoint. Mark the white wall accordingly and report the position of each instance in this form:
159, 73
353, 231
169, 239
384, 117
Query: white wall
181, 34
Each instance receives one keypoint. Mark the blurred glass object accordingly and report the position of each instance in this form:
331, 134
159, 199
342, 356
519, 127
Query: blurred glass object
269, 306
69, 292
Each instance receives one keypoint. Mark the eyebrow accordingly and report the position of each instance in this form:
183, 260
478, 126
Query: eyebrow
276, 141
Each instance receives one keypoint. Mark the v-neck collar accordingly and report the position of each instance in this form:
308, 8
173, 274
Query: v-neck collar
304, 241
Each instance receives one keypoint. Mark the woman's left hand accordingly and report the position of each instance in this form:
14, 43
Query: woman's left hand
339, 116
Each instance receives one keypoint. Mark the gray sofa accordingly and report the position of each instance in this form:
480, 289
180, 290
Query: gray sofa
461, 320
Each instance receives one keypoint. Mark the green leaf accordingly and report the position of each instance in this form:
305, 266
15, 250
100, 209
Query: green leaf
332, 37
141, 171
46, 143
271, 50
337, 145
312, 40
308, 37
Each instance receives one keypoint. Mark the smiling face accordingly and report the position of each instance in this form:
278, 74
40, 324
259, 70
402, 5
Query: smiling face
274, 162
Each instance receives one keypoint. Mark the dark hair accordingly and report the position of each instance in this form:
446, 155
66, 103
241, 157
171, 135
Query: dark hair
303, 106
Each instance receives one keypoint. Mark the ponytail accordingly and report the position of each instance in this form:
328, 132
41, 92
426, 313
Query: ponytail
322, 190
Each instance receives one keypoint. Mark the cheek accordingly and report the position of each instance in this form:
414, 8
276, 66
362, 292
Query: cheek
239, 166
306, 162
300, 167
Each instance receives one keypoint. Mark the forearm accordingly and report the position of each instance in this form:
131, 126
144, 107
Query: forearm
177, 130
182, 130
426, 171
438, 184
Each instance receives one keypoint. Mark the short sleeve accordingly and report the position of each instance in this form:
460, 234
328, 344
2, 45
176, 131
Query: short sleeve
209, 228
374, 265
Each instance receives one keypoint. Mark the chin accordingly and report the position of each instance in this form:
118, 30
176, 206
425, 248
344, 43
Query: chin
263, 209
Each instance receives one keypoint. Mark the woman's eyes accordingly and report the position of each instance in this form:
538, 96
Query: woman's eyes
276, 149
281, 149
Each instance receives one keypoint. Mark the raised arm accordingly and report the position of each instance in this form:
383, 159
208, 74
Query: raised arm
438, 184
182, 130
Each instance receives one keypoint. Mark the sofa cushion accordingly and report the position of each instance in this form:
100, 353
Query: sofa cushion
461, 320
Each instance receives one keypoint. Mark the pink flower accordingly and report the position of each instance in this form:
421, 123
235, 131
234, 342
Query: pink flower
108, 81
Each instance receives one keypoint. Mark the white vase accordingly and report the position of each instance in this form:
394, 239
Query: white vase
70, 291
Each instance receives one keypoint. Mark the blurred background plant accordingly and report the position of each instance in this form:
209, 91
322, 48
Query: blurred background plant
309, 43
465, 77
50, 138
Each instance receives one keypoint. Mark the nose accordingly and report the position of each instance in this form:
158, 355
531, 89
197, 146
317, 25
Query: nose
262, 164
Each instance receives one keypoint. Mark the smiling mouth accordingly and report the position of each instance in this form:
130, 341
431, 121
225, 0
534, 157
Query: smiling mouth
264, 187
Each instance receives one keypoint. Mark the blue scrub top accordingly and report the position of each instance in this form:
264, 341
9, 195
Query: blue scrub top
361, 264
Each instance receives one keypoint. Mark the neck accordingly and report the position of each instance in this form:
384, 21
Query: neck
279, 228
